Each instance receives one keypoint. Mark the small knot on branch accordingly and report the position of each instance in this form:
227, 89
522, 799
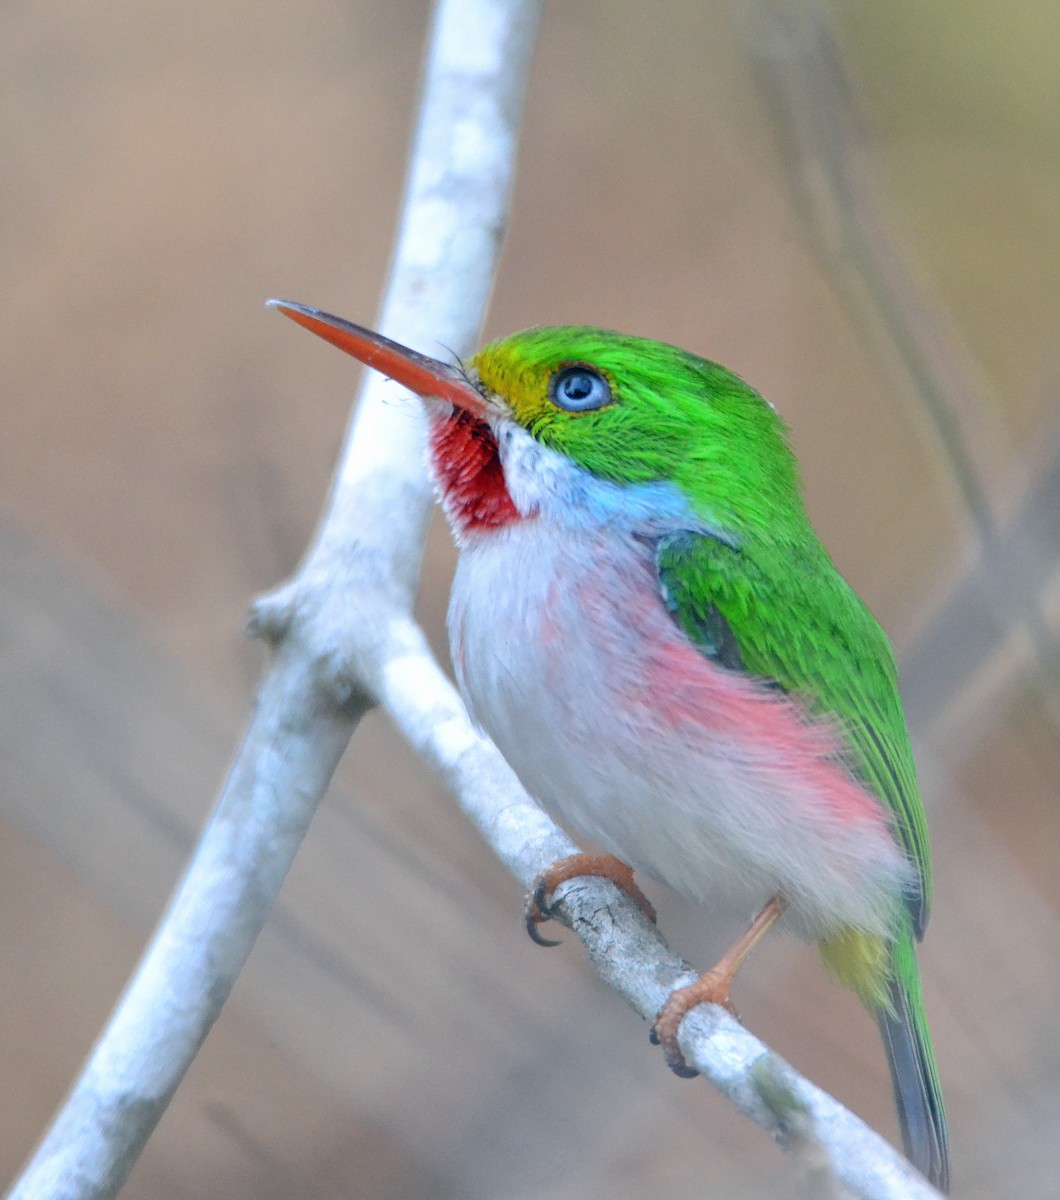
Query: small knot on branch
794, 1127
270, 616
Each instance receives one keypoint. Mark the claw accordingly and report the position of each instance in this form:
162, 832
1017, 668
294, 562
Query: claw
674, 1060
535, 913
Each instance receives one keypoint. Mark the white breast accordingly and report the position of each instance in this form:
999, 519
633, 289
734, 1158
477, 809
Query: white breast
554, 632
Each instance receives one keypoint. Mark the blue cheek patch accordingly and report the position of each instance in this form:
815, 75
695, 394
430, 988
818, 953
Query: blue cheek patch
543, 480
654, 508
600, 502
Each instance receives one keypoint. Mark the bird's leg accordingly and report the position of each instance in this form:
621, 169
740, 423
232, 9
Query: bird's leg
710, 988
604, 866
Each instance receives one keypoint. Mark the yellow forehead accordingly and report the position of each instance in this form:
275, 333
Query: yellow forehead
518, 378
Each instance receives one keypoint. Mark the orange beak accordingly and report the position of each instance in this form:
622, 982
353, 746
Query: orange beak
425, 376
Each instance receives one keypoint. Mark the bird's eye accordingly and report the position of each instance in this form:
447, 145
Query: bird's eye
579, 389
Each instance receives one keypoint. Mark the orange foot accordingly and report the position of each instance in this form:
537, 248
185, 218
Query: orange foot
713, 987
710, 988
604, 866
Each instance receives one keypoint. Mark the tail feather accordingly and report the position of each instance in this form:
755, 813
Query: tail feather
910, 1055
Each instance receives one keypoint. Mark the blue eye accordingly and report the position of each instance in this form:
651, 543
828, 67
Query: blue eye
579, 389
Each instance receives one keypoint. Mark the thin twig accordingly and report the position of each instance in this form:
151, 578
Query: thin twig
816, 117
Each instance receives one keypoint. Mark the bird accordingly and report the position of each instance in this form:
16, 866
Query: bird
646, 624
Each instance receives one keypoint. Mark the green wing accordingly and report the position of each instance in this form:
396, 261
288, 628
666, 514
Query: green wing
786, 615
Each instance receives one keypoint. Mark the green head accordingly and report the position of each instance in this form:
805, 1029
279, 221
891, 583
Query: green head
630, 410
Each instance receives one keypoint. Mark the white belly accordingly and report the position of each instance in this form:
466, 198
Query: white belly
557, 642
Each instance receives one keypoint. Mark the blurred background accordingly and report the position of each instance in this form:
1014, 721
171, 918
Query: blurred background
855, 207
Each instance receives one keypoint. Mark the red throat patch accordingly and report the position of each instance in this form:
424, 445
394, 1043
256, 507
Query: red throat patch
468, 466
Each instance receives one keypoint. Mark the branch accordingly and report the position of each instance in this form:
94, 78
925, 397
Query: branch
344, 639
363, 568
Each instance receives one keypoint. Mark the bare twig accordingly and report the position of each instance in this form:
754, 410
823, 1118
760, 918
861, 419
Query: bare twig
952, 650
344, 639
816, 117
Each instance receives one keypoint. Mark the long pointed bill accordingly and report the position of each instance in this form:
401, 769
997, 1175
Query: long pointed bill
420, 374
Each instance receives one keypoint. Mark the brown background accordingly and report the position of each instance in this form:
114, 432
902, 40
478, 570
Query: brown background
166, 447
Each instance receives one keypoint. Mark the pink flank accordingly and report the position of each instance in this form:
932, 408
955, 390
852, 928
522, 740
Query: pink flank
687, 691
